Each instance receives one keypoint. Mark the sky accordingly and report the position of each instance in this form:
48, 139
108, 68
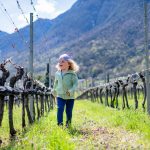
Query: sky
49, 9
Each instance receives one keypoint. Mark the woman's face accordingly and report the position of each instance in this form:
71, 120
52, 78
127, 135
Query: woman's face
63, 64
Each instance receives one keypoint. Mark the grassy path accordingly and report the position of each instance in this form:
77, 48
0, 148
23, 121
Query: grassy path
94, 127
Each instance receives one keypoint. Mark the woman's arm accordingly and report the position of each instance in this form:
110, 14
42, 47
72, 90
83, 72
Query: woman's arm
75, 83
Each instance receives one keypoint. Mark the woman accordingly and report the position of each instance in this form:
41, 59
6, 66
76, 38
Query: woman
65, 84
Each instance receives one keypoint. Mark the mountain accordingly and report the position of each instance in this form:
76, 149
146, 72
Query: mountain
20, 40
3, 34
103, 36
115, 44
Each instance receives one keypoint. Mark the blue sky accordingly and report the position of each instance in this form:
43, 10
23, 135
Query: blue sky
45, 9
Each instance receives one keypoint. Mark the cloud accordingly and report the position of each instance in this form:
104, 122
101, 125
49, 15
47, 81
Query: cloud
46, 9
22, 21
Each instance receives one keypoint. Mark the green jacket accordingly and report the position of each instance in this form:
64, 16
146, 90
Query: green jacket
64, 82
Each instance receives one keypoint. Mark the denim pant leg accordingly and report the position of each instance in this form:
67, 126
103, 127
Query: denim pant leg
60, 109
69, 108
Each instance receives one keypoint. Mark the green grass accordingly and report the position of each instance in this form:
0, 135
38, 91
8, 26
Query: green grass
94, 126
42, 134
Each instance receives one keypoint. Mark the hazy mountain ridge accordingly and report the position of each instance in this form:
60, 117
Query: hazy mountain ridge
20, 40
3, 34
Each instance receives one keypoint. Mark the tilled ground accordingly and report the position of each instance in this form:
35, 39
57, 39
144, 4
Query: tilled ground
97, 138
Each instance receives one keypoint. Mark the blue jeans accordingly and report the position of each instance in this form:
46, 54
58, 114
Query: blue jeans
61, 103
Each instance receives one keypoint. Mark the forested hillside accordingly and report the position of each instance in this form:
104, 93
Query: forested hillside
100, 34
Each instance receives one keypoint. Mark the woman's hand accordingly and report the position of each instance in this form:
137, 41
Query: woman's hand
54, 93
68, 93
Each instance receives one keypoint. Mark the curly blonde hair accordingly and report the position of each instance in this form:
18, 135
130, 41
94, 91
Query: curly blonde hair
72, 65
